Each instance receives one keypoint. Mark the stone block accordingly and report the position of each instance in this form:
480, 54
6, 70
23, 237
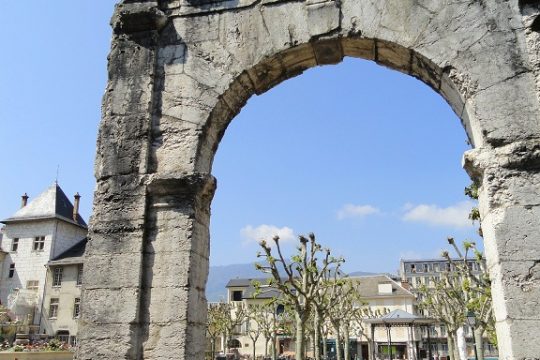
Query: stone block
297, 59
328, 51
113, 271
174, 269
110, 306
451, 94
322, 18
513, 337
493, 107
166, 341
239, 91
358, 47
286, 24
516, 289
266, 74
393, 56
426, 71
173, 230
111, 342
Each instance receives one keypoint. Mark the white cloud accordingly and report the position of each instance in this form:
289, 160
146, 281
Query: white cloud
356, 211
266, 232
452, 216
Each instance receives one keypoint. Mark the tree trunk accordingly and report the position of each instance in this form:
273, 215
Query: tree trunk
317, 336
266, 341
338, 343
346, 343
300, 338
479, 341
254, 352
461, 343
451, 347
274, 350
325, 349
213, 347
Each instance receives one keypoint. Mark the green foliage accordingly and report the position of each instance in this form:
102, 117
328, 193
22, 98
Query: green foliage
472, 191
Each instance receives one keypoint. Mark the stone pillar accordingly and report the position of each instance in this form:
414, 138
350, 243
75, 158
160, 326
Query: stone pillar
510, 212
110, 325
175, 262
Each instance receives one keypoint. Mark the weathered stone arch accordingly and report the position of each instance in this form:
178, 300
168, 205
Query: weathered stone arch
179, 71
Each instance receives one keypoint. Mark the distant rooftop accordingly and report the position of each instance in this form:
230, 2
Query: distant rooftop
402, 317
368, 287
51, 204
244, 282
435, 260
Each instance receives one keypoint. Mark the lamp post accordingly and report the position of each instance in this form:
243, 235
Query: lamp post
471, 320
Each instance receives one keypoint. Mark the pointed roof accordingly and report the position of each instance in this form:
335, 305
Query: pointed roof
400, 314
50, 204
400, 317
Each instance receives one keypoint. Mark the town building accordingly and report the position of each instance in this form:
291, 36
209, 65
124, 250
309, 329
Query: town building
425, 272
62, 296
35, 235
381, 295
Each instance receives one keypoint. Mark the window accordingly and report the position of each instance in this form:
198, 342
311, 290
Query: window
443, 330
11, 270
79, 275
413, 268
63, 336
237, 295
426, 268
32, 285
14, 244
39, 243
77, 308
57, 277
73, 340
53, 308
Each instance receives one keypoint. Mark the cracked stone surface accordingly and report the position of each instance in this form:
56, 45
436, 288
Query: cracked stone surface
180, 70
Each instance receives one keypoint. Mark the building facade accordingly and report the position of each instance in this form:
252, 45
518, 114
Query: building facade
380, 294
425, 272
62, 296
34, 235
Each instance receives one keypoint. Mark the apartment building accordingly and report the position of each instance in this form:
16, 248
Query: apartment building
419, 272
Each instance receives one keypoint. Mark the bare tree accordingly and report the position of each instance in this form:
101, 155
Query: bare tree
256, 315
302, 279
214, 326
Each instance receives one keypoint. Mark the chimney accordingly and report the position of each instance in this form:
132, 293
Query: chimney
24, 200
405, 284
76, 206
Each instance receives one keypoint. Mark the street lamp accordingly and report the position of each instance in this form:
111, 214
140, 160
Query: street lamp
471, 320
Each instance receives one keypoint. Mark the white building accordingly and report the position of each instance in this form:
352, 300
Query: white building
38, 232
62, 297
380, 293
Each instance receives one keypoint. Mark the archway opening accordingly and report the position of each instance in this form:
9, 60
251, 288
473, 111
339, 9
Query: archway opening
306, 162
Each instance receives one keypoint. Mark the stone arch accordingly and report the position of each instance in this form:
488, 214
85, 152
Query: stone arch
179, 70
271, 71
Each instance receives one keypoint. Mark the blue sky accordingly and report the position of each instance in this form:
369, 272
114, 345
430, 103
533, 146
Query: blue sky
365, 157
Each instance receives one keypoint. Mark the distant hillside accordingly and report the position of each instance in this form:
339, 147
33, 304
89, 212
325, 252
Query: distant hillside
219, 276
